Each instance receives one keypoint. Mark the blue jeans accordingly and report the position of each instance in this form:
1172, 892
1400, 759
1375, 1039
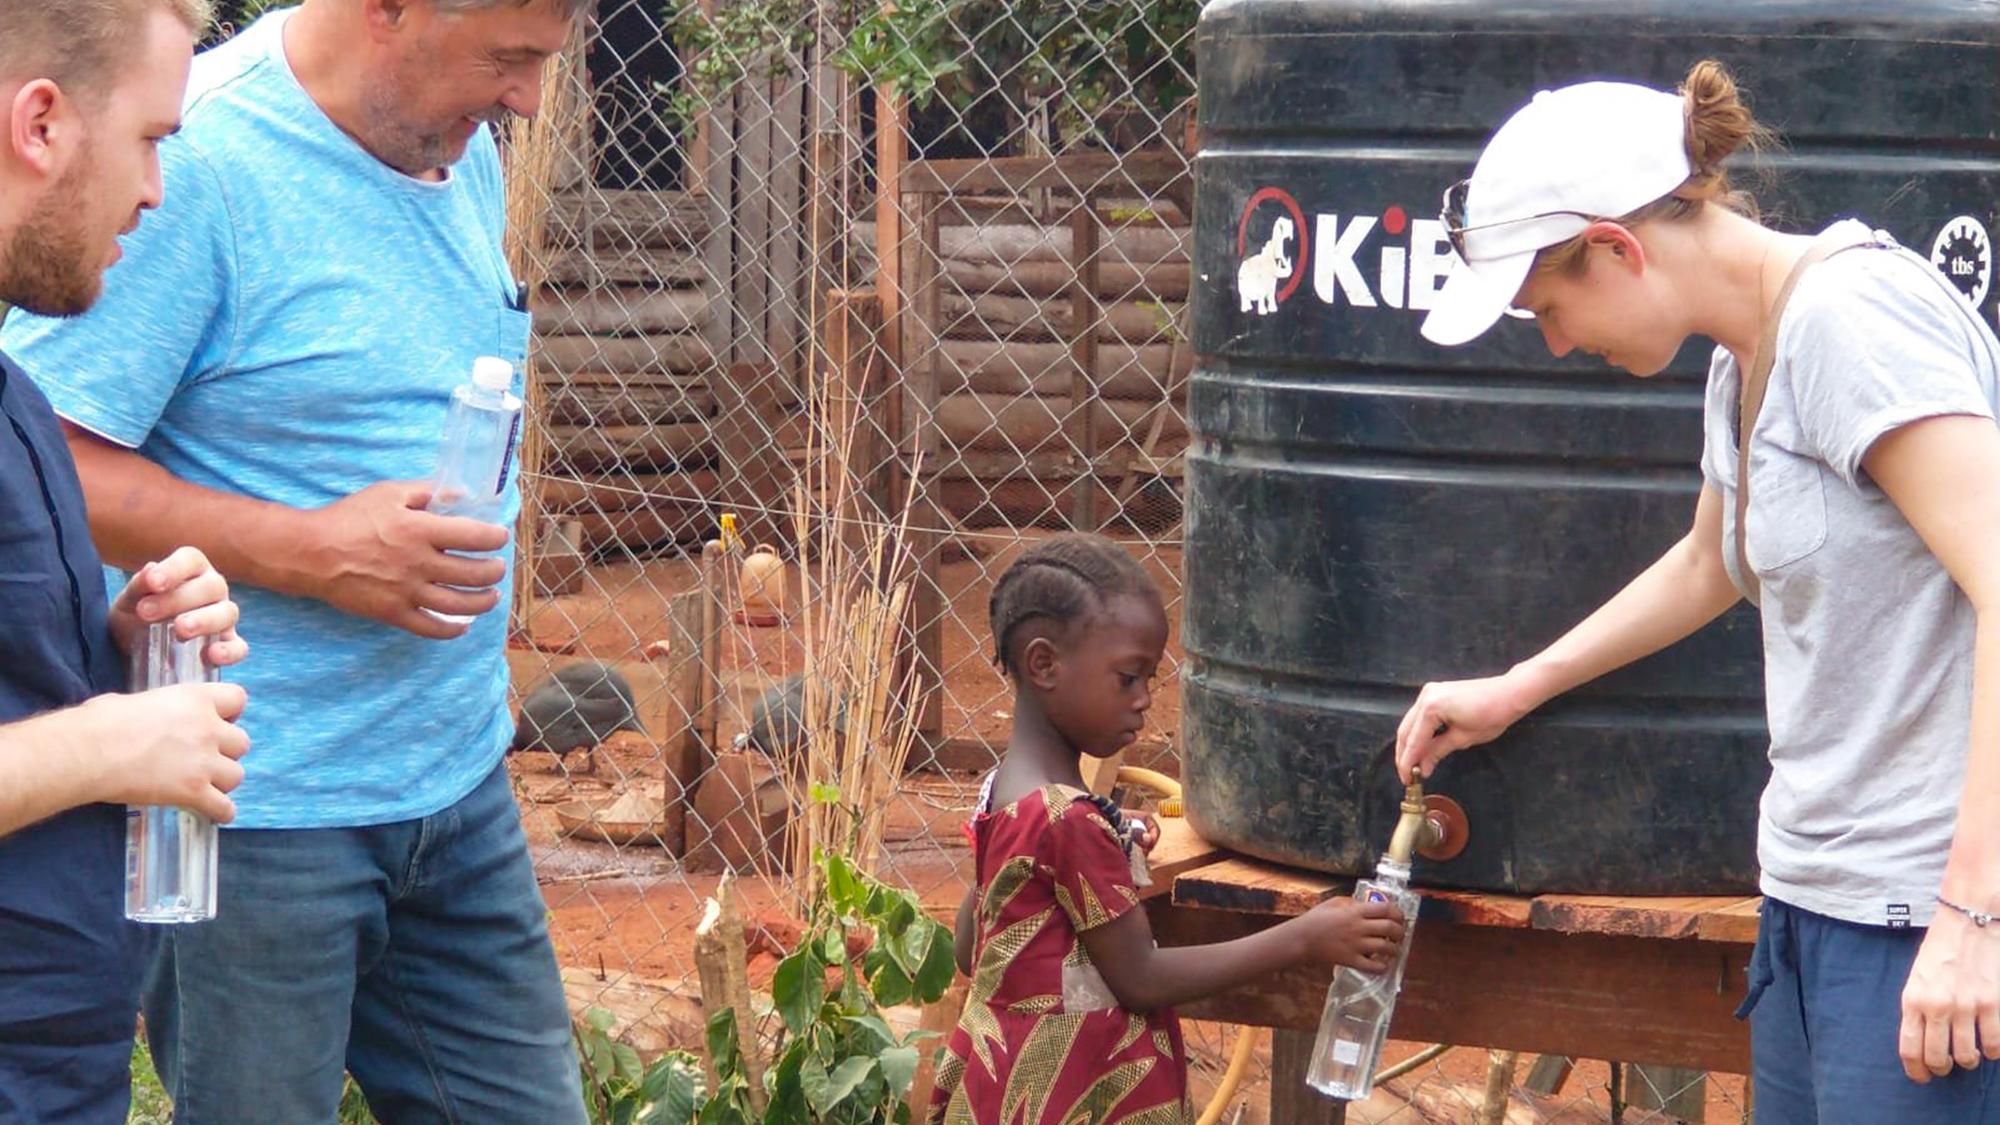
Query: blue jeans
414, 954
1825, 1009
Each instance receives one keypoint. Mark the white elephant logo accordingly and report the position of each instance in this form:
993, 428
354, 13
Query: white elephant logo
1258, 277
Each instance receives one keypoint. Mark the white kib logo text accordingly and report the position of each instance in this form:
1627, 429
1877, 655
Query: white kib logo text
1360, 259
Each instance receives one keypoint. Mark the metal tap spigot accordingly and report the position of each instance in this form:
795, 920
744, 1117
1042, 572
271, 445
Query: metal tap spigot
1433, 827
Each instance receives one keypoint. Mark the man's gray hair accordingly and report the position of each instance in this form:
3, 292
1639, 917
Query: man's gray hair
574, 9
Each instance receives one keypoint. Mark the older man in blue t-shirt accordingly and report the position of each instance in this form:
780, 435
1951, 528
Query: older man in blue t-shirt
267, 373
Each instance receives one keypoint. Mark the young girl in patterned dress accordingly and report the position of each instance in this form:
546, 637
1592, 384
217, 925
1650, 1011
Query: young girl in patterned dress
1070, 1017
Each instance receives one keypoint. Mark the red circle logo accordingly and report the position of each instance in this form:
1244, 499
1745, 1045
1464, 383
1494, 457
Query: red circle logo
1298, 223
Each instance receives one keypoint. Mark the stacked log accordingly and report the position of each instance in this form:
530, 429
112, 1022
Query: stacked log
627, 344
1003, 356
628, 364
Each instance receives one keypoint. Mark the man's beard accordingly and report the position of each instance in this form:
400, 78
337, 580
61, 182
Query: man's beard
47, 264
402, 146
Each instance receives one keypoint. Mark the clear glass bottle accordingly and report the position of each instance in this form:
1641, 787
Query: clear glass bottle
1359, 1005
170, 853
480, 435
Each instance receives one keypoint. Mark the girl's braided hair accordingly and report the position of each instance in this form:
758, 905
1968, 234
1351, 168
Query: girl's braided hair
1063, 580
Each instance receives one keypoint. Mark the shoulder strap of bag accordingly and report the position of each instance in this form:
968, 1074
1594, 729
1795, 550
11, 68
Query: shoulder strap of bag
1752, 392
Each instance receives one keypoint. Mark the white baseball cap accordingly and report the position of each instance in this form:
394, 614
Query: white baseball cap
1596, 150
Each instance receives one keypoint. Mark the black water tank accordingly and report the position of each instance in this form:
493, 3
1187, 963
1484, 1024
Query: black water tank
1367, 511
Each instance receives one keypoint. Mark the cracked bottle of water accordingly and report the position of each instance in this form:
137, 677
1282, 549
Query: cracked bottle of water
1359, 1004
170, 853
480, 434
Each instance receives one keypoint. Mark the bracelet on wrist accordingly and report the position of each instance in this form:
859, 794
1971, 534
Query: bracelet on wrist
1979, 917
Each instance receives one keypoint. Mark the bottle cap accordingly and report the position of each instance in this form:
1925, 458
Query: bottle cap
491, 373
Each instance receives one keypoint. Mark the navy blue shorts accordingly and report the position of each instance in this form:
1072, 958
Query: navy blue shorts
1825, 1008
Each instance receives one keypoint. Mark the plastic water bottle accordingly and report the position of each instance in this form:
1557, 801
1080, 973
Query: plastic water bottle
170, 853
480, 434
1358, 1005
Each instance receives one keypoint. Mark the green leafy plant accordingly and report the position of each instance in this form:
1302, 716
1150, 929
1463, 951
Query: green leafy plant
870, 946
910, 47
1089, 64
839, 1062
619, 1089
232, 16
732, 44
150, 1105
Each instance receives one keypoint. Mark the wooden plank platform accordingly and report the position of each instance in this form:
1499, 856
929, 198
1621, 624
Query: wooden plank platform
1735, 923
1247, 886
1642, 980
1645, 1000
1632, 917
1250, 886
1180, 850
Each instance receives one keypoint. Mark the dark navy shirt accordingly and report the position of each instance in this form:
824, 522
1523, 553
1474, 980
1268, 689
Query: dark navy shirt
69, 961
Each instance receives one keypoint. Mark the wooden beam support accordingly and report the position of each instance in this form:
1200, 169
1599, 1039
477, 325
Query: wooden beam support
1154, 173
721, 958
1521, 989
1085, 315
1292, 1101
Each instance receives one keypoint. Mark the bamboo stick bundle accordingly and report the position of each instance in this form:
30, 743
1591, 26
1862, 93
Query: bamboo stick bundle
859, 694
534, 158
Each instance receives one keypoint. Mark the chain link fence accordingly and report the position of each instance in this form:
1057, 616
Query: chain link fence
965, 222
971, 218
710, 198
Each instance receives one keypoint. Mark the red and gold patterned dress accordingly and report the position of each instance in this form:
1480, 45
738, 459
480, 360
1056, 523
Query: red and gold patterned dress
1043, 1042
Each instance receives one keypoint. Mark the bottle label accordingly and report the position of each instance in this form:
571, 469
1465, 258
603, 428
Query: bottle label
1346, 1052
1084, 990
507, 454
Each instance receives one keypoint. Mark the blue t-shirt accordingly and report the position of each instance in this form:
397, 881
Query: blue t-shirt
69, 961
289, 326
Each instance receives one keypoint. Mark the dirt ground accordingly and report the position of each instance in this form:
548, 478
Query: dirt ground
633, 908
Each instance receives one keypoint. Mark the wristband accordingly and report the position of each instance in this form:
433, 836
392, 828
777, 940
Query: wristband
1979, 918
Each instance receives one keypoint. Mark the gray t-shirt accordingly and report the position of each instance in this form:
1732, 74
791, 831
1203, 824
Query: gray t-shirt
1867, 640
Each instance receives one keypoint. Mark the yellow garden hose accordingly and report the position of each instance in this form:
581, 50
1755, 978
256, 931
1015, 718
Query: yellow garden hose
1246, 1038
1168, 789
1239, 1063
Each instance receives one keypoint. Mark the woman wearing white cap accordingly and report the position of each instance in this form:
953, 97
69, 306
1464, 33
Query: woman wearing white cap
1873, 550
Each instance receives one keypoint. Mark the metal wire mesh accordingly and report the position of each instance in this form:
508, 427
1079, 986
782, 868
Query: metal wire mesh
972, 216
712, 240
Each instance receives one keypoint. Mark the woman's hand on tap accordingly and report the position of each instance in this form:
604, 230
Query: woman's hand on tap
1451, 715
